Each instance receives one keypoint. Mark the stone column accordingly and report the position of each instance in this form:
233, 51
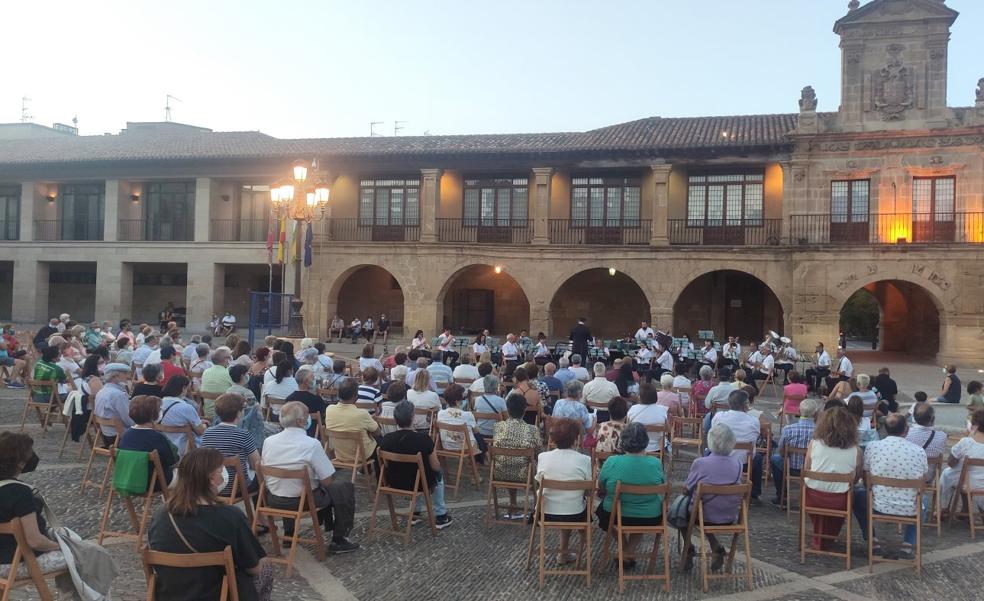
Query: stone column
540, 318
111, 215
542, 177
420, 313
205, 288
204, 190
661, 318
28, 195
114, 290
430, 198
30, 291
660, 209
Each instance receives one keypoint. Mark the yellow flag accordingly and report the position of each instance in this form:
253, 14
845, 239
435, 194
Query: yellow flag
281, 240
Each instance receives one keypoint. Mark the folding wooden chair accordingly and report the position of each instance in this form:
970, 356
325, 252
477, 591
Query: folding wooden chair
617, 531
95, 427
659, 432
369, 406
86, 438
749, 448
598, 459
806, 510
739, 528
771, 381
207, 407
464, 382
932, 487
24, 558
686, 432
4, 375
788, 477
239, 487
156, 486
186, 430
914, 520
386, 424
765, 435
465, 453
492, 501
584, 529
431, 419
221, 559
783, 416
45, 409
965, 492
358, 462
305, 508
384, 488
270, 403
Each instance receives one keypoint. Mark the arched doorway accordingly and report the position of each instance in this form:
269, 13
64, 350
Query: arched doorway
477, 298
729, 303
899, 316
612, 304
368, 290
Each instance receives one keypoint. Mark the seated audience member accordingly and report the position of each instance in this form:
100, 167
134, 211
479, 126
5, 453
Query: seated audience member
141, 436
169, 368
667, 398
634, 468
564, 374
580, 372
439, 371
571, 407
515, 433
971, 446
842, 390
369, 391
599, 390
887, 389
976, 399
702, 385
564, 463
524, 386
216, 379
177, 410
720, 468
488, 402
466, 370
532, 369
293, 449
304, 380
793, 394
746, 428
200, 363
18, 367
282, 385
834, 450
796, 435
896, 457
20, 500
453, 415
553, 384
368, 359
950, 391
407, 441
484, 371
396, 392
124, 350
423, 397
610, 431
195, 518
866, 434
227, 437
867, 396
919, 397
112, 400
921, 432
649, 412
252, 420
344, 416
717, 395
48, 370
150, 384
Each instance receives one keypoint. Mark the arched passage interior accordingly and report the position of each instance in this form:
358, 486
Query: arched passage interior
370, 290
612, 304
476, 298
729, 303
908, 318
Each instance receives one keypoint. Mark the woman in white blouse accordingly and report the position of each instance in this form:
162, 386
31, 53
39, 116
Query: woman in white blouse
542, 354
479, 347
282, 384
564, 463
418, 346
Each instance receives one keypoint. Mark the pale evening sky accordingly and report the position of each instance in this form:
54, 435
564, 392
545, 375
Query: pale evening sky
296, 68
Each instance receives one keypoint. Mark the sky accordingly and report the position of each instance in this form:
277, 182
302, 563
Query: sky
300, 69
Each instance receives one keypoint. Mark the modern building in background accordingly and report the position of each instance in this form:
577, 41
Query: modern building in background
736, 224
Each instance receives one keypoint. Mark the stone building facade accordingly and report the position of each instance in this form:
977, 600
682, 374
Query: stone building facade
733, 224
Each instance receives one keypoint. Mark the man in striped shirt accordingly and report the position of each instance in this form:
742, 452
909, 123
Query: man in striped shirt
797, 436
232, 441
369, 389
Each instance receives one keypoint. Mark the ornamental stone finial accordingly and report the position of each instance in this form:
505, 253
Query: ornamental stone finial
853, 5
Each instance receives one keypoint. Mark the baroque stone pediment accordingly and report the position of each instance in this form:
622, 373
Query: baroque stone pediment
881, 11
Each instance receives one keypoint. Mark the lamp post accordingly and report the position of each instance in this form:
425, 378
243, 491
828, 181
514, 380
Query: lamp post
297, 201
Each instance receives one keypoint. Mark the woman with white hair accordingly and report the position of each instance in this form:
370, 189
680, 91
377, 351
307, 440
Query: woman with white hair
868, 397
423, 397
702, 385
718, 469
667, 397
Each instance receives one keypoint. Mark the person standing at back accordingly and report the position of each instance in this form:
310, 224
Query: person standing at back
580, 338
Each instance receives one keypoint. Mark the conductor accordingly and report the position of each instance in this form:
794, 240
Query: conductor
580, 338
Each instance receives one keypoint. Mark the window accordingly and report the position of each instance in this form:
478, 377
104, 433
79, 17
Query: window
849, 201
81, 209
254, 203
716, 200
605, 201
10, 197
170, 210
934, 196
496, 201
389, 202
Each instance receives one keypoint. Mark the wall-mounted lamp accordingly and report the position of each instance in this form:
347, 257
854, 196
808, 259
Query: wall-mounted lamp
498, 269
225, 198
51, 198
611, 271
135, 198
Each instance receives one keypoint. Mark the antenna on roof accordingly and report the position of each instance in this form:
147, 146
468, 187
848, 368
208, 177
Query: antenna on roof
398, 127
167, 107
25, 113
372, 128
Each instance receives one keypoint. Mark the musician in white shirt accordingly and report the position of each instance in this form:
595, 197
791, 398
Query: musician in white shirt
754, 357
542, 354
821, 370
644, 332
445, 344
731, 352
785, 360
708, 354
664, 364
763, 367
510, 354
841, 370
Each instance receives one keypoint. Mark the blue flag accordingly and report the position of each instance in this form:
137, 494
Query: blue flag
308, 239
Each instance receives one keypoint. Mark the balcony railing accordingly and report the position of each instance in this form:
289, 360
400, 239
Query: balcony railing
481, 231
367, 230
238, 230
9, 230
132, 230
48, 230
887, 228
591, 231
757, 232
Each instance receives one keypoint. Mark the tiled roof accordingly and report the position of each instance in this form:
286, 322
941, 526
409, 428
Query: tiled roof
651, 134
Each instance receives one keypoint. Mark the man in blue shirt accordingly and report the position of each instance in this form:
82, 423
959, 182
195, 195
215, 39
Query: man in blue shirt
564, 374
796, 435
553, 383
571, 407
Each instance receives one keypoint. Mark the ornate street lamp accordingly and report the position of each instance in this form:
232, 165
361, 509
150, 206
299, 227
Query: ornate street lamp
297, 200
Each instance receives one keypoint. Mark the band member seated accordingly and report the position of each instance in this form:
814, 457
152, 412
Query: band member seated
764, 366
664, 364
820, 369
841, 371
786, 359
644, 332
599, 352
731, 352
708, 354
510, 355
644, 361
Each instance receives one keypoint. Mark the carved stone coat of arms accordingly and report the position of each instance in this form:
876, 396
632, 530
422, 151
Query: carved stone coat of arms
893, 86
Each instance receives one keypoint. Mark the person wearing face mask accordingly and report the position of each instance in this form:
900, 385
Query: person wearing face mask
971, 446
20, 500
194, 520
293, 449
113, 400
144, 411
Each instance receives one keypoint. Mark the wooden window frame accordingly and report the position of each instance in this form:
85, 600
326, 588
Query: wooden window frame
379, 183
606, 183
743, 221
849, 216
495, 184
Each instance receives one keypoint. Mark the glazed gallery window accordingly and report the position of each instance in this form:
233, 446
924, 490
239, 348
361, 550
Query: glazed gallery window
389, 202
81, 210
849, 201
605, 201
170, 210
10, 197
934, 196
725, 199
496, 201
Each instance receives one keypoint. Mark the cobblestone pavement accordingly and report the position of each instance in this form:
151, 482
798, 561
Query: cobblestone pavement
470, 560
